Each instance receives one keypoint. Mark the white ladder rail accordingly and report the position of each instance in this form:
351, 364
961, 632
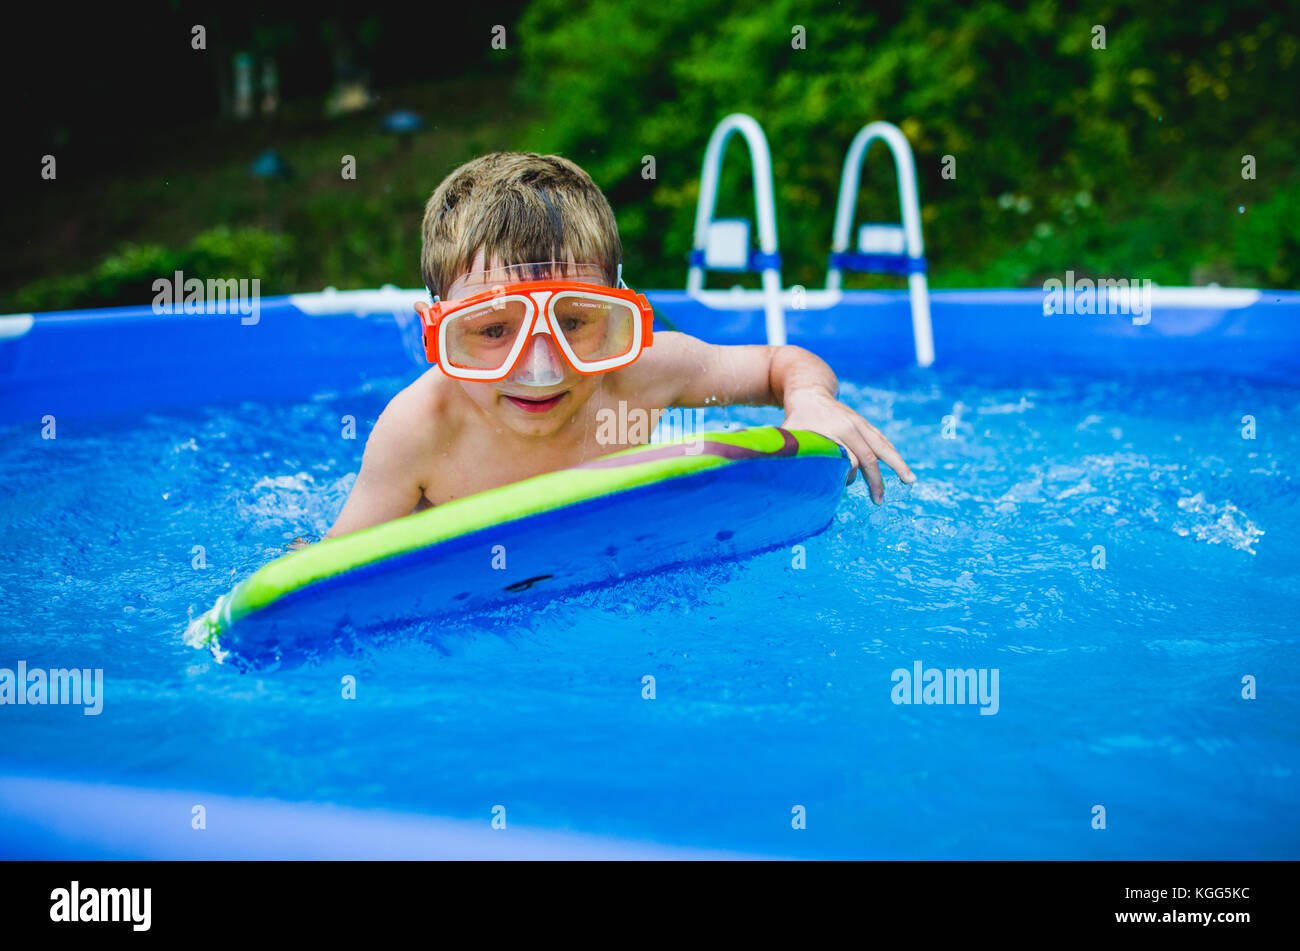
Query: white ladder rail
912, 262
707, 239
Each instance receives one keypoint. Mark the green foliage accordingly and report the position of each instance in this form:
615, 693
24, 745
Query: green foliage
1267, 239
1150, 129
126, 276
251, 252
1123, 161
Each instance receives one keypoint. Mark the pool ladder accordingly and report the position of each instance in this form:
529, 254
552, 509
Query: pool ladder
724, 244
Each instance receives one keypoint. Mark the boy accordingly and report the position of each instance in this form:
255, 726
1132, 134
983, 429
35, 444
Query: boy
545, 340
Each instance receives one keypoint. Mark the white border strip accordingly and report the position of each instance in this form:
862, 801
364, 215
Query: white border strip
1199, 298
1188, 298
15, 325
386, 300
739, 298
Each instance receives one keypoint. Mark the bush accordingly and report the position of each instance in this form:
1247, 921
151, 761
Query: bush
1151, 128
127, 275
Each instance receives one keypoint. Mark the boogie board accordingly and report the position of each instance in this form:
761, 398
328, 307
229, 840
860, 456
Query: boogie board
704, 498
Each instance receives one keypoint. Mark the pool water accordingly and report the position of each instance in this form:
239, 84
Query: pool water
1119, 686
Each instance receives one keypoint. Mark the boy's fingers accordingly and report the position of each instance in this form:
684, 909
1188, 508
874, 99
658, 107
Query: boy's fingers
858, 450
871, 472
864, 459
886, 451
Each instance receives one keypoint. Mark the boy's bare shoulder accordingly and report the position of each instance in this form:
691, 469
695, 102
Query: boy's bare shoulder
418, 418
664, 366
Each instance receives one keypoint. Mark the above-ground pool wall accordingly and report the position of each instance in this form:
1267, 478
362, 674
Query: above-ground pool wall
1234, 331
100, 363
108, 362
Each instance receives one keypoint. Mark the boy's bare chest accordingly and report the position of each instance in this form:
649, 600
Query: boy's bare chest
481, 464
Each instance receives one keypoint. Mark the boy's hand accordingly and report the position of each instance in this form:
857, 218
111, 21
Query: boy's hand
818, 411
680, 370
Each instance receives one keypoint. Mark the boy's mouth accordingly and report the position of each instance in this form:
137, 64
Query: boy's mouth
532, 405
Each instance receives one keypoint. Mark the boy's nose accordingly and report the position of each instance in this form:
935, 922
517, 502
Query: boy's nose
540, 364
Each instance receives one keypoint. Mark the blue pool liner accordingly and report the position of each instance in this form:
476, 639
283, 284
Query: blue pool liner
114, 361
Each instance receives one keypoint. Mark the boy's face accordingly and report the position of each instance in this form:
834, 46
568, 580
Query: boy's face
527, 409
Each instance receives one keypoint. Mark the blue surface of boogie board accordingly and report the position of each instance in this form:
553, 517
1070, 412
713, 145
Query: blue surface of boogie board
739, 508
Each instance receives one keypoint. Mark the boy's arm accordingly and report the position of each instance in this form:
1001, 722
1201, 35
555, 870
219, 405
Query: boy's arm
687, 371
388, 485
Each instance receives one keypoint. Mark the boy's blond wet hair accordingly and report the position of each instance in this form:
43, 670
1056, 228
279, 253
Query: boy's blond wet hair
517, 208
